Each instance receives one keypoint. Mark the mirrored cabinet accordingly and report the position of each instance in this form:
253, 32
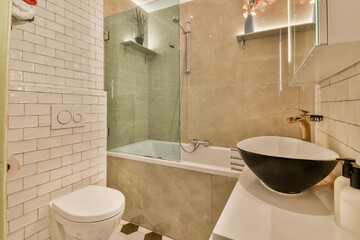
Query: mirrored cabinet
325, 45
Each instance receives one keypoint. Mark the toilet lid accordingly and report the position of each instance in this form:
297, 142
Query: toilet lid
90, 204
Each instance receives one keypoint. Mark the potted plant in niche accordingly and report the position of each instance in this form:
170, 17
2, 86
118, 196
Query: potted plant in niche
250, 7
138, 23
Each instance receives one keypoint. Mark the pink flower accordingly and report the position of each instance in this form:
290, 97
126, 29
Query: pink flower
250, 6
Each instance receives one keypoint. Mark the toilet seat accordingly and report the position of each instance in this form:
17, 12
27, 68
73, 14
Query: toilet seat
90, 204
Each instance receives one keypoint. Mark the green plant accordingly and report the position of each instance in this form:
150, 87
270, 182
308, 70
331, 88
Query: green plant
138, 23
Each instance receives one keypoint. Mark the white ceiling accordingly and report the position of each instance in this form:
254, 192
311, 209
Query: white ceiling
155, 5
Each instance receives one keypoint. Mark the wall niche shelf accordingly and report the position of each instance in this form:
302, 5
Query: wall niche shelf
133, 45
242, 38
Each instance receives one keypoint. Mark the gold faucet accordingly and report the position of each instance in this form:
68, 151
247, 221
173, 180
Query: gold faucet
304, 123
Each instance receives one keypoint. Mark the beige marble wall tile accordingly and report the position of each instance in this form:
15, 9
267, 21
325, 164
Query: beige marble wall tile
117, 6
216, 117
126, 82
112, 7
221, 189
174, 202
231, 94
303, 43
184, 11
184, 123
178, 203
164, 76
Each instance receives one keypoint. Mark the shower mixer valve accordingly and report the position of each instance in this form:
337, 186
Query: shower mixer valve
198, 143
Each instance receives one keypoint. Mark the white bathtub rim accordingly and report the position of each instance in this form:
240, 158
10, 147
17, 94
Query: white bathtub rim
183, 165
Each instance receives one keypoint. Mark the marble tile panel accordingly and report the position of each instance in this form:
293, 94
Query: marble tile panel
174, 202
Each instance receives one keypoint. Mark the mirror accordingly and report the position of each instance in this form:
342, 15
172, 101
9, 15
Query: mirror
302, 32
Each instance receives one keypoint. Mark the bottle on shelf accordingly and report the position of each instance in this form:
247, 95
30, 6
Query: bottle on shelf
341, 183
350, 205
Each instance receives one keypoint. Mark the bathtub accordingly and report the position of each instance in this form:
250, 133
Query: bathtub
153, 149
212, 160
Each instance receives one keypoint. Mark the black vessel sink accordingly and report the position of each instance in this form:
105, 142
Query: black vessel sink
287, 165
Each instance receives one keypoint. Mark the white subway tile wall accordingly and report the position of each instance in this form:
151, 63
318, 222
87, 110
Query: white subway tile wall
63, 46
338, 99
57, 59
53, 162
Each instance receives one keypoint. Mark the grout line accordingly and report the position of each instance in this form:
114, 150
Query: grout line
338, 140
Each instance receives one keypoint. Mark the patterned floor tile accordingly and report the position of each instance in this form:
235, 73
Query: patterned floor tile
136, 236
166, 238
118, 236
129, 231
144, 230
118, 229
153, 236
123, 222
129, 228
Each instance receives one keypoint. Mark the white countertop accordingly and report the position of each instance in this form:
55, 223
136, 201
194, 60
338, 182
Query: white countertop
254, 212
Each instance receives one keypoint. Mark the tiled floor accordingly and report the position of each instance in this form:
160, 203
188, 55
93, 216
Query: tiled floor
129, 231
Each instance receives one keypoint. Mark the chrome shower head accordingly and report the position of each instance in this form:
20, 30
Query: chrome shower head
176, 19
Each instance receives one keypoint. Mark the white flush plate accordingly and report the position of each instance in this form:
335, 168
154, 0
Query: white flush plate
67, 116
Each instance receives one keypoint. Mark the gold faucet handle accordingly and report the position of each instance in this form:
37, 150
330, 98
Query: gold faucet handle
291, 120
303, 112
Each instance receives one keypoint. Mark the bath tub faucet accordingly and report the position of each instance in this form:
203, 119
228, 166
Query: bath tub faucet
198, 143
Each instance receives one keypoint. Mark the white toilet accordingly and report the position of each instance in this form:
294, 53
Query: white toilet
90, 213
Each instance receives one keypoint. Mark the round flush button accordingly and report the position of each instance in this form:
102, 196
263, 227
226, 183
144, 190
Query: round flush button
77, 118
64, 117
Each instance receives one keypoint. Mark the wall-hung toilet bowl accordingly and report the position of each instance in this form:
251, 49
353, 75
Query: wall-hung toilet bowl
90, 213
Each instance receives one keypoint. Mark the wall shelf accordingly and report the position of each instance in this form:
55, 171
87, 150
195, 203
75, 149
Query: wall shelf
137, 47
134, 45
274, 32
242, 38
